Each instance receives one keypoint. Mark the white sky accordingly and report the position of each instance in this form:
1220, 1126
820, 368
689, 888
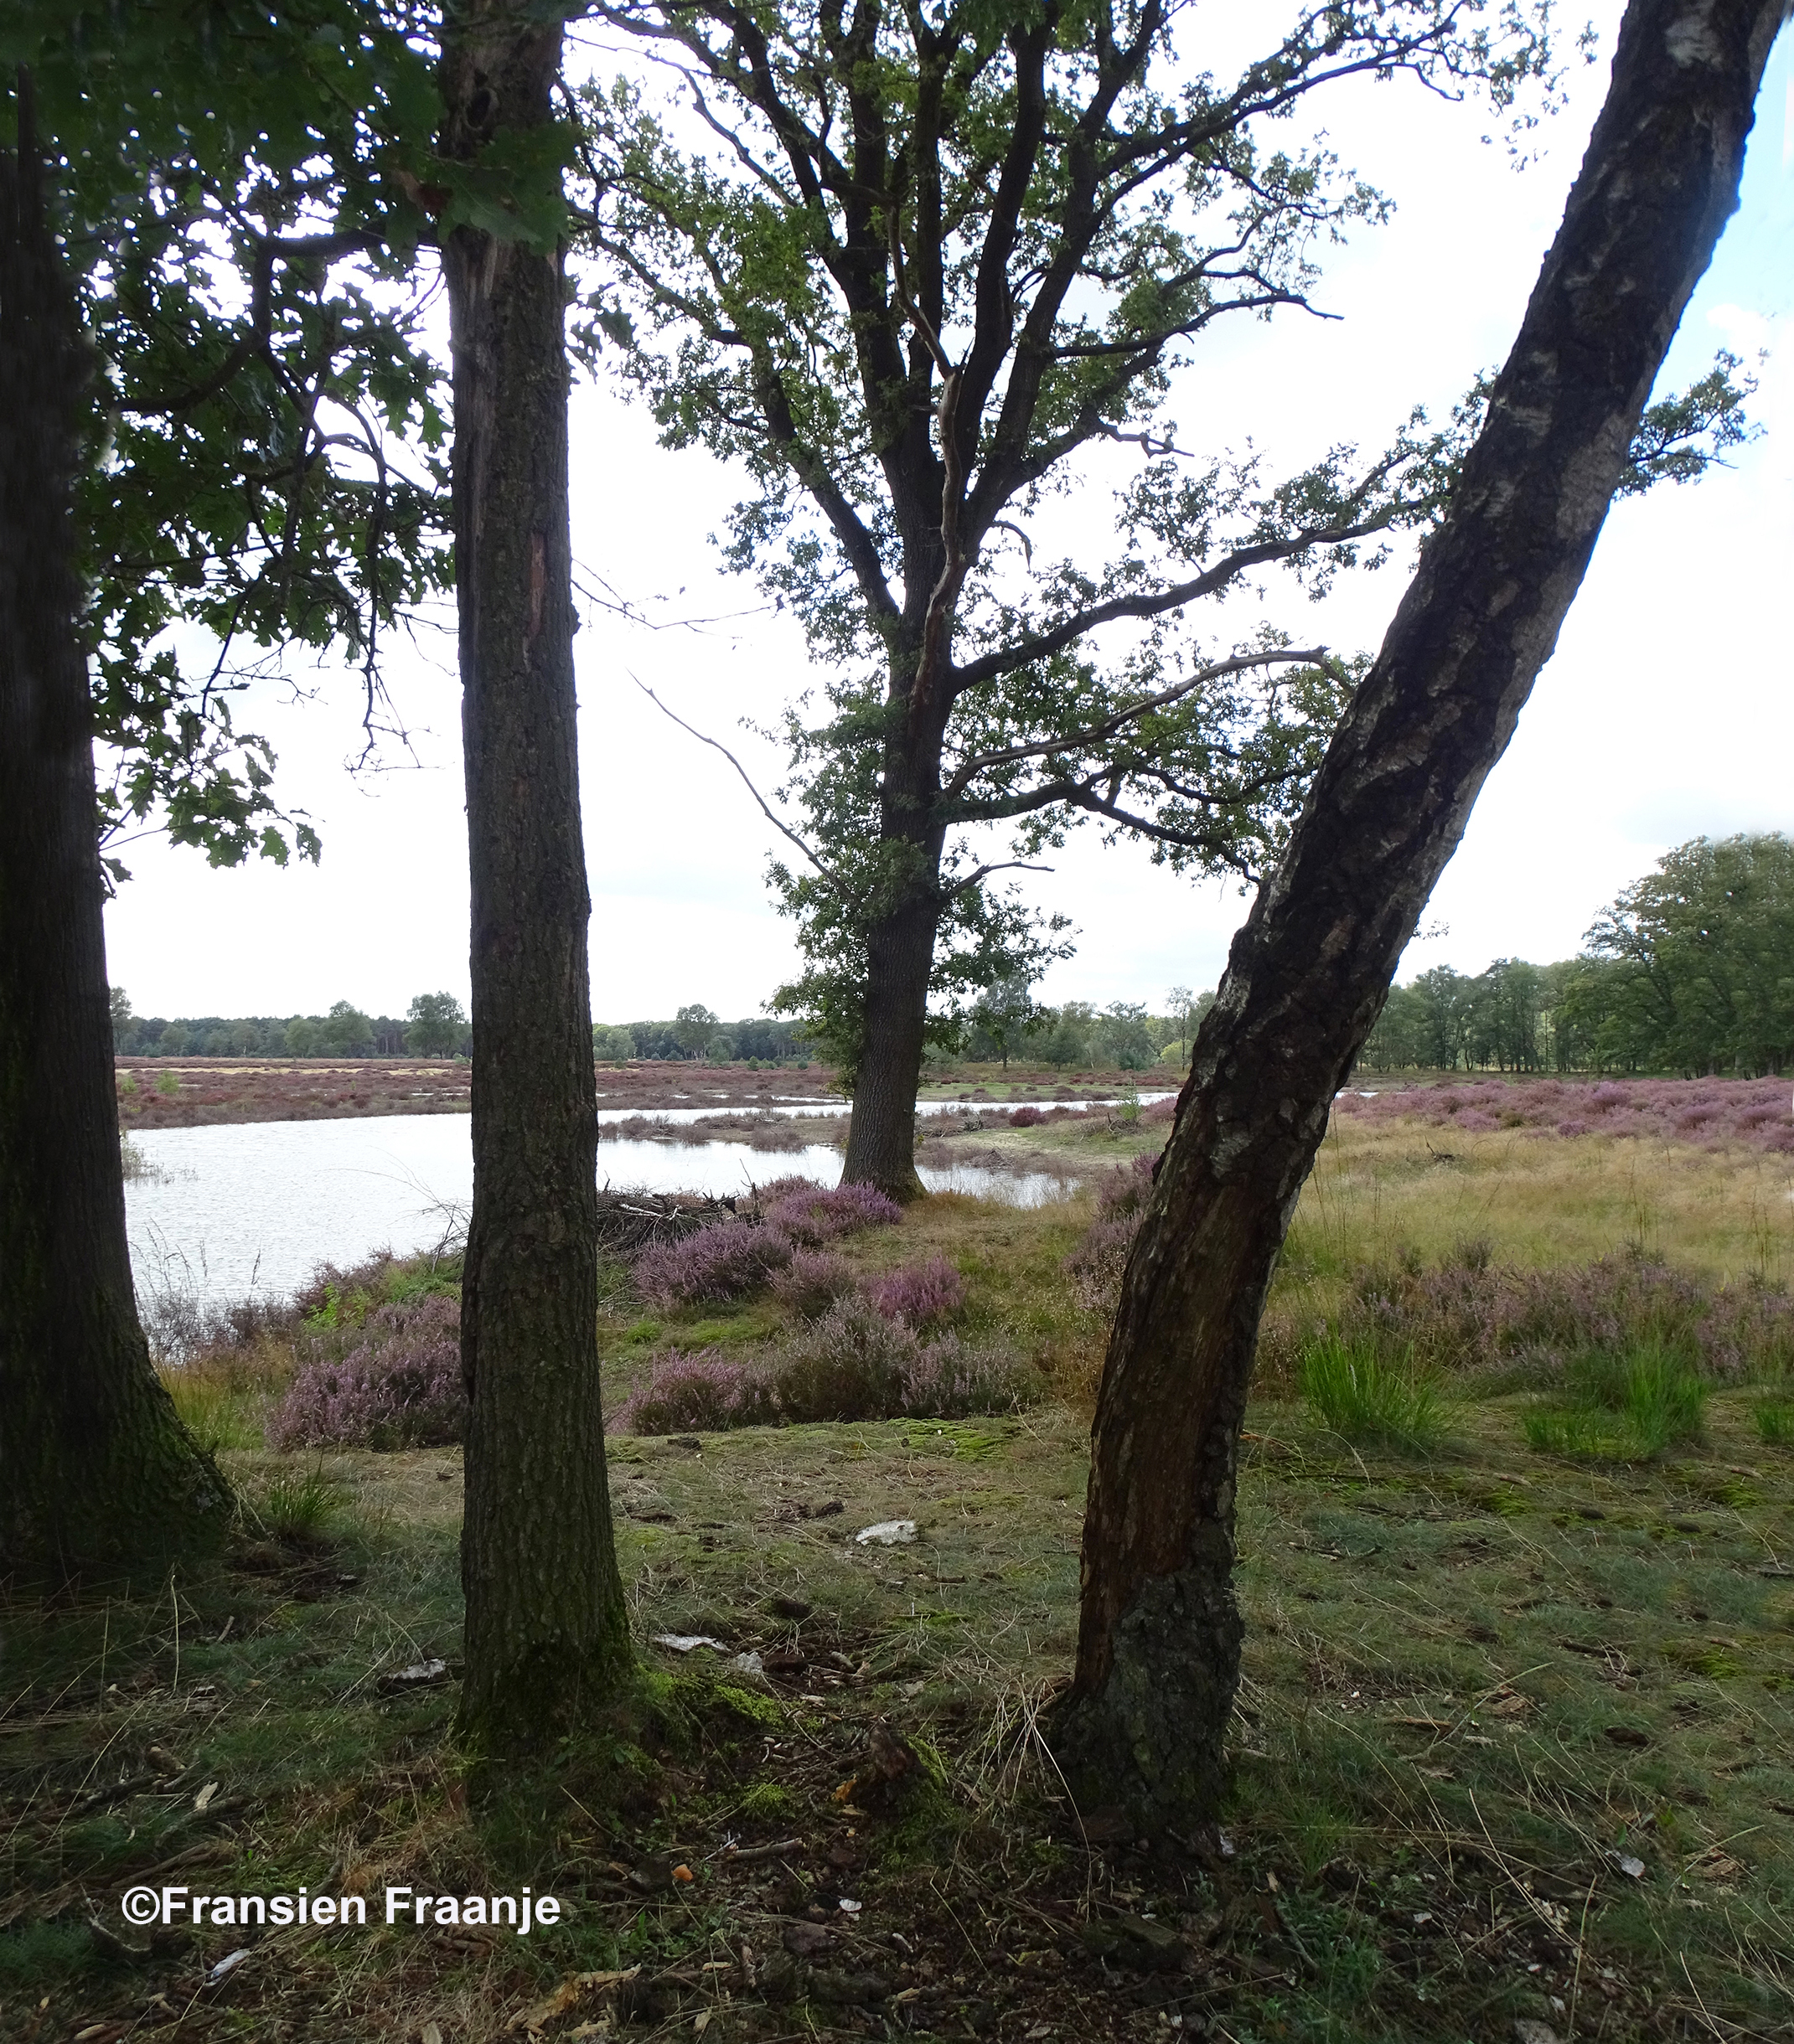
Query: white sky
1667, 712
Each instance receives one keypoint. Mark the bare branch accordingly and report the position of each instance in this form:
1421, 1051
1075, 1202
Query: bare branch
784, 829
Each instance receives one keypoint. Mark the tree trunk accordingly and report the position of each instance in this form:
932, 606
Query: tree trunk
881, 1136
547, 1632
97, 1474
1158, 1655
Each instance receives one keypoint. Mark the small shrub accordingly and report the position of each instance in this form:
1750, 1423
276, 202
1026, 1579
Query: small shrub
921, 1293
849, 1365
128, 1082
703, 1393
812, 1280
951, 1379
1026, 1118
167, 1084
717, 1264
1363, 1396
818, 1215
400, 1388
1775, 1421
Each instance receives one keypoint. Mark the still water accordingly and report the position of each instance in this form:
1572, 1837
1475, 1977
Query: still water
253, 1207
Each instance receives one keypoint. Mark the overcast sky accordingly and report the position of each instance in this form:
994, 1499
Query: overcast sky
1667, 712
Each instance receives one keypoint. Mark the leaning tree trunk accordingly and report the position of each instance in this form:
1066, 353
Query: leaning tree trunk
1158, 1655
547, 1631
97, 1474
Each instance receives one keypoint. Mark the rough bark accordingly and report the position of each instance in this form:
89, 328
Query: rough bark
881, 1136
1158, 1655
97, 1475
547, 1632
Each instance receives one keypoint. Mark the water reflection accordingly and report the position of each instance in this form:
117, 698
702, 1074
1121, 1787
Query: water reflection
253, 1206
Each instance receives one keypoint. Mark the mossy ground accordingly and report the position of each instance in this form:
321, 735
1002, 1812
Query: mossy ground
1516, 1739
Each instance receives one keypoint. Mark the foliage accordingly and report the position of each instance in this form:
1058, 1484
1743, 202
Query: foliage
1366, 1396
398, 1386
704, 1393
728, 1258
435, 1025
812, 1280
1775, 1421
274, 470
811, 1213
1691, 970
1702, 954
852, 1363
919, 1294
911, 269
296, 1505
715, 1264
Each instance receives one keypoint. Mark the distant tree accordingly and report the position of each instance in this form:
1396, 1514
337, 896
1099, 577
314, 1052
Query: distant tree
1065, 1032
122, 1019
345, 1032
177, 1039
1121, 1036
300, 1037
1143, 1727
611, 1044
434, 1022
1005, 1013
693, 1029
1703, 953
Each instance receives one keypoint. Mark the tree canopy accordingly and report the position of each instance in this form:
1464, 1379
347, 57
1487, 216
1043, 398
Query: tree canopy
266, 461
912, 269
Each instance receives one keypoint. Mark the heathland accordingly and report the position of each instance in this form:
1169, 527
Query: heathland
1512, 1759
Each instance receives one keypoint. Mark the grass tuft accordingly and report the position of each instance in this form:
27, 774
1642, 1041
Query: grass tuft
1630, 1407
298, 1504
1775, 1421
1367, 1399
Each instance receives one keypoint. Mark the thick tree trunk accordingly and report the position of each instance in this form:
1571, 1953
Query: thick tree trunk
97, 1475
882, 1137
547, 1632
1159, 1645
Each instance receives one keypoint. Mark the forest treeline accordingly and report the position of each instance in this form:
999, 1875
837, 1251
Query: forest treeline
1691, 970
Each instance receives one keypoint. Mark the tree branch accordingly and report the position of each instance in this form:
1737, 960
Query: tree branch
1095, 734
784, 829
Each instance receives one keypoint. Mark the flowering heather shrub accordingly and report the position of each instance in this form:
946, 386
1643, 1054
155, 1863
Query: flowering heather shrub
716, 1263
1096, 1264
920, 1293
1529, 1326
703, 1393
1164, 1110
400, 1387
850, 1364
950, 1379
812, 1280
817, 1215
1713, 1112
1026, 1118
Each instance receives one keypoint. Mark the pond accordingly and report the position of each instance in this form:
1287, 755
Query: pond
253, 1207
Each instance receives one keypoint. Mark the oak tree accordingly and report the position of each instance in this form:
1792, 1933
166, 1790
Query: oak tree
912, 268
